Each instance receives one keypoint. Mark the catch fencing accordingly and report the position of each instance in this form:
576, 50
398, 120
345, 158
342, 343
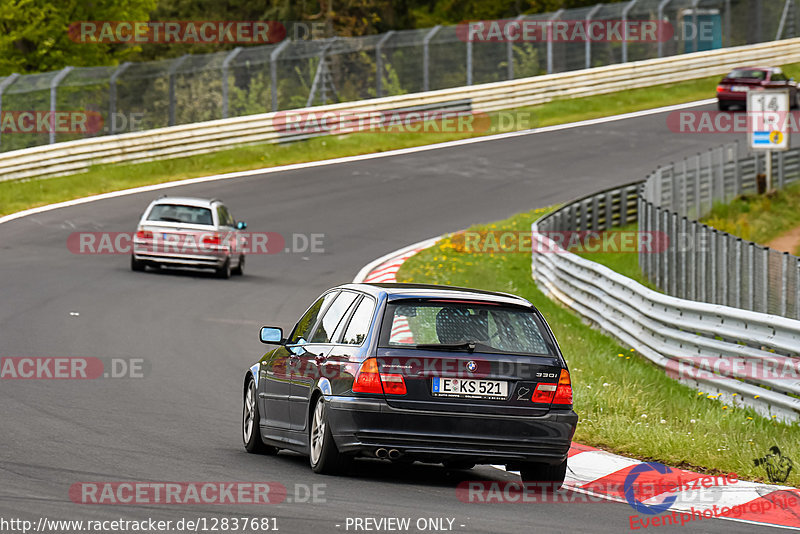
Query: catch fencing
297, 73
205, 137
702, 263
745, 357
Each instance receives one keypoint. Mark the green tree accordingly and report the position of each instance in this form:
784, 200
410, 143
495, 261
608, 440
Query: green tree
34, 34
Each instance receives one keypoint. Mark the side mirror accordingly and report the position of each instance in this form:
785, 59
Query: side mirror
241, 225
271, 335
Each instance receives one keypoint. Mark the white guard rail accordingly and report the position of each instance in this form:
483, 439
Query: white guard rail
200, 138
746, 357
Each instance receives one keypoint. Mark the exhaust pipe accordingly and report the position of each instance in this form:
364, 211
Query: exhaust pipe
382, 453
394, 454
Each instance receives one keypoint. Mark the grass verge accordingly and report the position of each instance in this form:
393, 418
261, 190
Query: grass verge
23, 194
626, 404
759, 218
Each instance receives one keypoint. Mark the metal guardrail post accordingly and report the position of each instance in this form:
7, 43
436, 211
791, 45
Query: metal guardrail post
714, 286
273, 73
765, 279
7, 81
697, 199
693, 278
660, 15
737, 273
112, 95
172, 70
737, 179
751, 281
588, 46
625, 12
53, 97
781, 175
426, 56
225, 64
784, 284
379, 63
684, 274
724, 264
550, 21
797, 292
672, 254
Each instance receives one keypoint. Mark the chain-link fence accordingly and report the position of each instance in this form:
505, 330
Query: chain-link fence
301, 73
705, 264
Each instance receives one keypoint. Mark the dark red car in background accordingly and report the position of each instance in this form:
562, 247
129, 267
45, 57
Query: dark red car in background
732, 90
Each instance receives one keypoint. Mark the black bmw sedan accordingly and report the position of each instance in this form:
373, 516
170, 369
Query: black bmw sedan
414, 373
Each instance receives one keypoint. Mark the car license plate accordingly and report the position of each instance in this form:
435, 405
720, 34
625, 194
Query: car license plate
469, 388
739, 88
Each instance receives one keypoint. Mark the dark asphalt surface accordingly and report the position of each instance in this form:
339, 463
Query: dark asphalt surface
198, 335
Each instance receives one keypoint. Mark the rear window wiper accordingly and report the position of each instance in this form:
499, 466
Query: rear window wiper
170, 219
468, 346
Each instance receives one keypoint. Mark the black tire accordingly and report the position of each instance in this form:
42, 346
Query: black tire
224, 272
324, 457
137, 265
539, 472
722, 106
239, 270
251, 435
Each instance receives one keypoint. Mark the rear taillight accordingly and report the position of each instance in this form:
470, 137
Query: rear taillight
544, 393
213, 239
721, 88
144, 234
370, 380
564, 391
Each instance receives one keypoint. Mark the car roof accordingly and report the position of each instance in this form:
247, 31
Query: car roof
398, 291
187, 201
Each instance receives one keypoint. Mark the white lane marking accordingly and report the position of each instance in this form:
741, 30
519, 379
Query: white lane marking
350, 159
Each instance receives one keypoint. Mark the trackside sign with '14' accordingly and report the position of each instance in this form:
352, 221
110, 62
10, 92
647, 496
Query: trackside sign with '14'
768, 111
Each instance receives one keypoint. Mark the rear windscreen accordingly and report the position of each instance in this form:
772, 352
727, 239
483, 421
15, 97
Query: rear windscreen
180, 214
748, 73
491, 328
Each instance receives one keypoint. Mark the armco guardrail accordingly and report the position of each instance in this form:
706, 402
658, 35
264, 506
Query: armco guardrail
205, 137
706, 264
747, 358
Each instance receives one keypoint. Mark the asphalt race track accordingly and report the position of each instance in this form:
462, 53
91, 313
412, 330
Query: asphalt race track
198, 335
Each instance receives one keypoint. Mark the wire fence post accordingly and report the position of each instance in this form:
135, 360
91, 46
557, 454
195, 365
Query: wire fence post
625, 12
225, 64
510, 49
172, 70
7, 81
53, 97
696, 30
379, 63
273, 73
550, 21
426, 57
660, 16
588, 46
112, 95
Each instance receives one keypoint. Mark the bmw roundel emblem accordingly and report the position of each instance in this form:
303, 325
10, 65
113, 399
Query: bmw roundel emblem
471, 366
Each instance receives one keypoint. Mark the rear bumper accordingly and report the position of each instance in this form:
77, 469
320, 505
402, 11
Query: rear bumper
211, 259
362, 426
